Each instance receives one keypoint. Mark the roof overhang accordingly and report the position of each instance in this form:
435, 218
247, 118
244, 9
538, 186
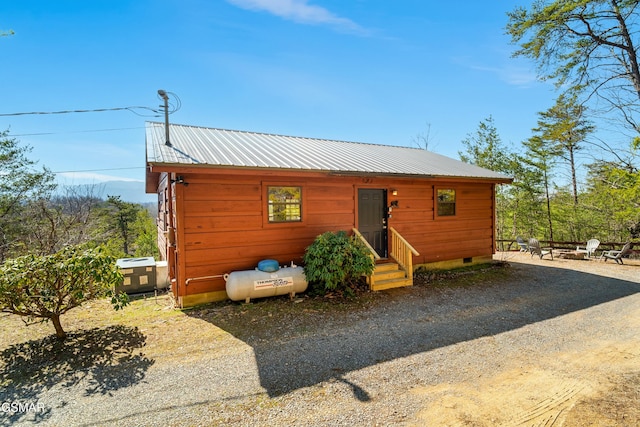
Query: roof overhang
154, 170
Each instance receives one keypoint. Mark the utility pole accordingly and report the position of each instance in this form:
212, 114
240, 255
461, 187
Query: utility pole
164, 96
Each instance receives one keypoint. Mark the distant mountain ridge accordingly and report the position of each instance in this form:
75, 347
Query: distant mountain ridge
129, 191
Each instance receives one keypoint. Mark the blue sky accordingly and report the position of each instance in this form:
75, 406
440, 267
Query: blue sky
361, 70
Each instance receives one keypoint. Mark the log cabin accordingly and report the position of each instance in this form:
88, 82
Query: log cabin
229, 199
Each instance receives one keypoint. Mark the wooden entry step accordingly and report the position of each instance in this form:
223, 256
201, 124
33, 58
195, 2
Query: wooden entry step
388, 275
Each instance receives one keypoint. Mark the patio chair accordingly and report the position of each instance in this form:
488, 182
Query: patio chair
590, 248
534, 247
617, 255
523, 245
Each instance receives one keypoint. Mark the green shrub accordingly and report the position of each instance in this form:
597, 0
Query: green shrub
336, 261
45, 287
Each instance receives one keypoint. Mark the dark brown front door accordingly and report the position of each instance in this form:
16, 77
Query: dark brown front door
372, 218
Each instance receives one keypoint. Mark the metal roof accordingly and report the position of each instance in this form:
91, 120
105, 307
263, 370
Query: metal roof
192, 145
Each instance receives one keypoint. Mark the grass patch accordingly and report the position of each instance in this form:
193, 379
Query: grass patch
472, 275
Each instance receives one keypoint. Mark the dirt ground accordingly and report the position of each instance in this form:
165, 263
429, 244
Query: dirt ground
588, 396
600, 387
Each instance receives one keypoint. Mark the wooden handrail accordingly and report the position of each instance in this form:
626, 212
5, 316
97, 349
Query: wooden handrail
402, 252
403, 240
361, 237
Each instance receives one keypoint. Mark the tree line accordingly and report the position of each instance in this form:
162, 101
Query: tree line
38, 217
589, 50
548, 198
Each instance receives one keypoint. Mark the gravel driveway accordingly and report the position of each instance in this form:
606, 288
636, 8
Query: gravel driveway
523, 351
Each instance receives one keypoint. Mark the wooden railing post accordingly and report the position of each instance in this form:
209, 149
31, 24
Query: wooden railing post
402, 252
373, 254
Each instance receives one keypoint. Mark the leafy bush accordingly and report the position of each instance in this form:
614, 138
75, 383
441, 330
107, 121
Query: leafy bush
337, 261
45, 287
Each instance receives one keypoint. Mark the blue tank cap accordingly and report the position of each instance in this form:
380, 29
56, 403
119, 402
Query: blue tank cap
268, 265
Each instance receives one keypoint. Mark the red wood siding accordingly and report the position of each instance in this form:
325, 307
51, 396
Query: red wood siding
223, 226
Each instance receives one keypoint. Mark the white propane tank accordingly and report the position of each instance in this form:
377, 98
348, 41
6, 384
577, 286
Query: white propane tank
244, 285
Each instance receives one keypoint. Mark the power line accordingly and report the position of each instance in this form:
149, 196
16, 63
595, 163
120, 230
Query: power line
101, 170
175, 107
97, 110
75, 131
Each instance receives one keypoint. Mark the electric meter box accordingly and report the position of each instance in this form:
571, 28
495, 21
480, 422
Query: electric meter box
139, 275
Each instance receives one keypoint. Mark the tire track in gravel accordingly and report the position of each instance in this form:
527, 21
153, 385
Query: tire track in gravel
546, 412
